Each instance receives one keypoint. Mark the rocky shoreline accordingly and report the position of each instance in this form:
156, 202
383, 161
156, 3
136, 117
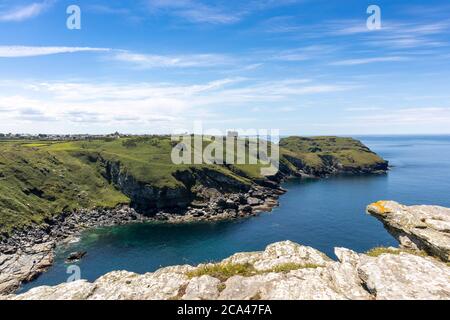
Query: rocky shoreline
286, 270
27, 253
283, 271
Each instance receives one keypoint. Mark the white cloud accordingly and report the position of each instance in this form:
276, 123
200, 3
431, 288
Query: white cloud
419, 34
25, 51
428, 117
353, 62
104, 9
219, 12
394, 28
305, 53
362, 109
195, 11
136, 106
148, 61
24, 12
398, 35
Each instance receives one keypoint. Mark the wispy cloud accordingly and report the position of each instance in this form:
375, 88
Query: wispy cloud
415, 33
104, 9
219, 12
24, 12
302, 54
426, 116
195, 11
354, 62
394, 34
362, 109
123, 11
25, 51
149, 61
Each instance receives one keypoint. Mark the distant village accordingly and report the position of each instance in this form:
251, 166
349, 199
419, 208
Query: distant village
59, 137
78, 137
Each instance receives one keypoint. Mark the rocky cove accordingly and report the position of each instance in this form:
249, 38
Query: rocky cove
28, 253
286, 270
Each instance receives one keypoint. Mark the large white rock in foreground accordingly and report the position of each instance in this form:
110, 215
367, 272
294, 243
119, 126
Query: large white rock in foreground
416, 227
285, 270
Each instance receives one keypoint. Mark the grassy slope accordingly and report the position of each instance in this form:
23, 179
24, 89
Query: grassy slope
36, 183
39, 179
349, 152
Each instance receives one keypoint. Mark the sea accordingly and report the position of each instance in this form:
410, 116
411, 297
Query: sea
323, 214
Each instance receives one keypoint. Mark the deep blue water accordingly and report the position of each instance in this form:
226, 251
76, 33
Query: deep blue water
319, 213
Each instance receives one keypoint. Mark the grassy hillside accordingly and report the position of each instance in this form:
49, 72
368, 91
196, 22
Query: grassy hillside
36, 183
316, 153
39, 179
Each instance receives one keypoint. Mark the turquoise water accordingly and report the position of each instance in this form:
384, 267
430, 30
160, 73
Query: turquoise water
319, 213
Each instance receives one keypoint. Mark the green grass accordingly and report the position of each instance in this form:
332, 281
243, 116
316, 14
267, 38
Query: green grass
40, 179
36, 184
224, 271
286, 267
316, 151
378, 251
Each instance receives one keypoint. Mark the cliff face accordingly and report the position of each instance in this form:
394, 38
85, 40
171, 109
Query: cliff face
285, 270
325, 156
145, 197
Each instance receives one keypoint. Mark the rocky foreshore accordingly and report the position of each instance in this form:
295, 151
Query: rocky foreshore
287, 270
26, 254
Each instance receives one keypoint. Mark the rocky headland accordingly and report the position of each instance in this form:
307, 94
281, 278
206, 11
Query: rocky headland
286, 270
51, 191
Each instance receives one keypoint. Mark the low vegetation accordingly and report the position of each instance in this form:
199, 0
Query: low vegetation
286, 267
375, 252
36, 183
223, 271
318, 152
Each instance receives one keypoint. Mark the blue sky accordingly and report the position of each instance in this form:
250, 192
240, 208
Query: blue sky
151, 66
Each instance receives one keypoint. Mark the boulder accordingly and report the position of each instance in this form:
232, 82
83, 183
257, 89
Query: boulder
75, 256
254, 201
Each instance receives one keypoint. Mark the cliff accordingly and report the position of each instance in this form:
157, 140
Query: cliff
287, 270
324, 156
40, 180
